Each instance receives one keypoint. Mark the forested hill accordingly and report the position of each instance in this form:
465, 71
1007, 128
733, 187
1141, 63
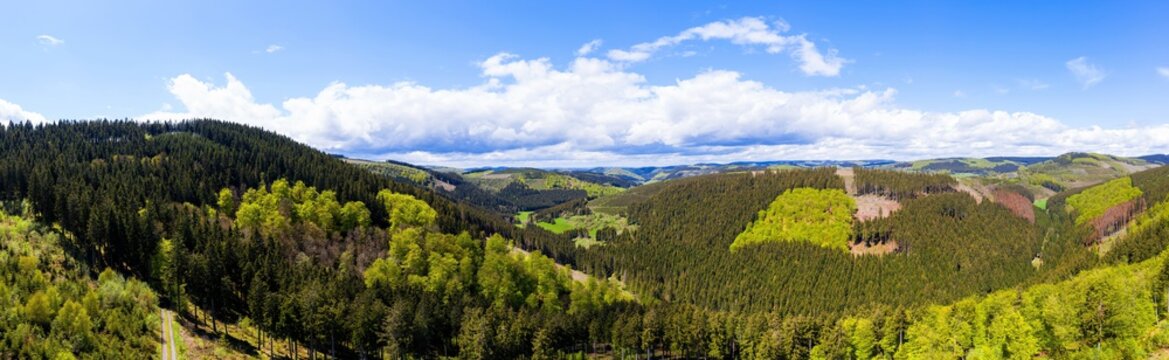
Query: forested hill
304, 254
75, 170
124, 189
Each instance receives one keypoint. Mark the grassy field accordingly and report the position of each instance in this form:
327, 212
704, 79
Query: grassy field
558, 226
522, 218
592, 222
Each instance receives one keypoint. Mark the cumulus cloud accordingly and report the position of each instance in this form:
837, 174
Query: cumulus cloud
273, 48
588, 47
1086, 73
13, 113
49, 40
1164, 71
595, 111
748, 31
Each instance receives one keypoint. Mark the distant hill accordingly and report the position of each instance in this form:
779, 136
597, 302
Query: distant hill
974, 166
1156, 158
503, 190
649, 174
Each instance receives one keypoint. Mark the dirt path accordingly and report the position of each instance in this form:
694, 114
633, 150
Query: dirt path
168, 341
848, 175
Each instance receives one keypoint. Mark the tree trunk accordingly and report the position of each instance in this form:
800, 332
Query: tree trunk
214, 327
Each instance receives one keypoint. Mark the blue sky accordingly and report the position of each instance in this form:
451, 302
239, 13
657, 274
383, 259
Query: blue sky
483, 83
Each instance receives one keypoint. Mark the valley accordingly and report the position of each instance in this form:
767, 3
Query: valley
221, 231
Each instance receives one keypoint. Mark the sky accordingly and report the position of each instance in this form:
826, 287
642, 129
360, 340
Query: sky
610, 83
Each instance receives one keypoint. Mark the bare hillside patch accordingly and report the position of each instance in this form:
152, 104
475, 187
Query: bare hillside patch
870, 207
859, 249
849, 178
978, 192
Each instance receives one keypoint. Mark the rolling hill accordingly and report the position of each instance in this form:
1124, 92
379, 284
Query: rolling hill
281, 249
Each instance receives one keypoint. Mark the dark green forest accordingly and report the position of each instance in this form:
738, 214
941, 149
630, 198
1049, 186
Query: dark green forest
347, 263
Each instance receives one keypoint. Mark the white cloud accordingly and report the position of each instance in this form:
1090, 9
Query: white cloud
49, 40
273, 48
959, 94
1164, 71
1086, 73
1033, 84
232, 102
588, 47
595, 111
13, 113
748, 31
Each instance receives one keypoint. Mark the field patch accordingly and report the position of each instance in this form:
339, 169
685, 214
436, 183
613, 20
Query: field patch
558, 225
585, 226
821, 217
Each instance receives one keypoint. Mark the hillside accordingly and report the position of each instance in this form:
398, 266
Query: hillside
505, 191
281, 249
55, 306
290, 257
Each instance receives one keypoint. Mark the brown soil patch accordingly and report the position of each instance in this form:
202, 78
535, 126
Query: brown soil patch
848, 175
977, 192
870, 207
444, 185
887, 247
1020, 205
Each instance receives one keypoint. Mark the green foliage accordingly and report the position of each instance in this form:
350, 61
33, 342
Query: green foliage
333, 279
557, 226
1108, 309
272, 210
120, 192
1147, 236
522, 217
1154, 183
1094, 201
62, 312
618, 203
594, 190
821, 217
395, 170
949, 247
901, 185
405, 210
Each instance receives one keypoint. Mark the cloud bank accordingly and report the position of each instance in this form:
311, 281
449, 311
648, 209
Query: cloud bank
595, 111
12, 113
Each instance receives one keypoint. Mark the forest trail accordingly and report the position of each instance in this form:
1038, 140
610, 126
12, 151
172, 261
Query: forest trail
168, 341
